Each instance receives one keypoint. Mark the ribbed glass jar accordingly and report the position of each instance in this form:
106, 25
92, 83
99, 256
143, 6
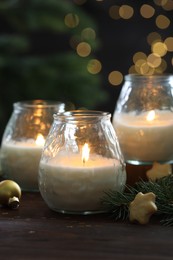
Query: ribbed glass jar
80, 161
24, 138
143, 119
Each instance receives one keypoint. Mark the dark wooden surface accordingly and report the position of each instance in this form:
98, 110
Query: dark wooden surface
35, 232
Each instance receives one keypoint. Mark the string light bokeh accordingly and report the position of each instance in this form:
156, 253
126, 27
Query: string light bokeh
140, 30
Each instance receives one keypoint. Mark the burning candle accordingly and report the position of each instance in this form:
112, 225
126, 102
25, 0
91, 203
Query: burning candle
76, 182
23, 140
145, 137
20, 161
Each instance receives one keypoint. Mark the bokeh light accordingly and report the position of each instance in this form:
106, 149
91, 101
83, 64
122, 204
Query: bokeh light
162, 68
139, 56
141, 66
168, 6
169, 43
115, 78
147, 11
159, 48
126, 11
153, 37
162, 22
71, 20
83, 49
160, 2
114, 12
88, 34
154, 60
94, 66
132, 70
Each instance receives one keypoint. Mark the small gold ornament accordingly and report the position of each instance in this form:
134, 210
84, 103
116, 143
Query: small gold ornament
10, 193
142, 207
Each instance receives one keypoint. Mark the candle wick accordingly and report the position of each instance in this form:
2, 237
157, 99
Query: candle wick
83, 161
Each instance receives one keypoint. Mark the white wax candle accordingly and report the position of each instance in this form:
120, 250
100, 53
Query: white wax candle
20, 162
66, 184
145, 139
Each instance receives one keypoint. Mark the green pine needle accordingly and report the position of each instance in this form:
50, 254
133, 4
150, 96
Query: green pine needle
117, 203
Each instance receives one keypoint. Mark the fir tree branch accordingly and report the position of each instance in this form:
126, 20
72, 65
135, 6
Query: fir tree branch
117, 203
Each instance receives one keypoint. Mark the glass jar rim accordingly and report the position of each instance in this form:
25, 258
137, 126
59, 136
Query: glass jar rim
80, 115
39, 103
151, 77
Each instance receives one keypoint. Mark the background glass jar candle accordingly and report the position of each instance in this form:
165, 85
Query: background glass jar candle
81, 159
143, 119
23, 140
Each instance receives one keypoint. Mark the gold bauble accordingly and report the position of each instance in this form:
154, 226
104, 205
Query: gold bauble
10, 193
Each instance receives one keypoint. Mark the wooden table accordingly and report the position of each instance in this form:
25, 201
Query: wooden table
35, 232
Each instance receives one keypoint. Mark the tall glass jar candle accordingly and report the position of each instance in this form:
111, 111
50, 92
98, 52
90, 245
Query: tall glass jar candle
24, 138
143, 119
81, 160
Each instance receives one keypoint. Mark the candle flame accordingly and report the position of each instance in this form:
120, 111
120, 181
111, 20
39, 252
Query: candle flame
40, 140
85, 153
151, 115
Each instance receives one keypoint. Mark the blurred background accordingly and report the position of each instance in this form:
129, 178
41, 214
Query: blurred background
79, 51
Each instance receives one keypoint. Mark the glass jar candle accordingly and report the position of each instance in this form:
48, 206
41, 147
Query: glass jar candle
24, 138
81, 160
143, 119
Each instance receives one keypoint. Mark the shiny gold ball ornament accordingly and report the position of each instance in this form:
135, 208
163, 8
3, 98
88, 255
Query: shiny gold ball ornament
10, 193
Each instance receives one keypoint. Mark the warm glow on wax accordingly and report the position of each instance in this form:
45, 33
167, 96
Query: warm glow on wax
151, 115
85, 153
40, 140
